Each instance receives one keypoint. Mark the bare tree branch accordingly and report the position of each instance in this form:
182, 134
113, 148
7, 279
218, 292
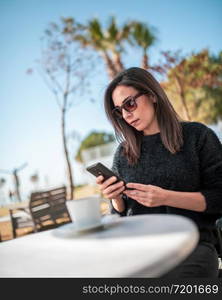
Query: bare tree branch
64, 69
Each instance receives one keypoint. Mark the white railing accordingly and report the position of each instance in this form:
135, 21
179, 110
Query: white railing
98, 152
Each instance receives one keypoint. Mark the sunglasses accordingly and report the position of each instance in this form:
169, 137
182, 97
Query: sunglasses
129, 105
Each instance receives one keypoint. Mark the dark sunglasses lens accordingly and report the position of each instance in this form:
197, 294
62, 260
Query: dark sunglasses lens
117, 113
130, 105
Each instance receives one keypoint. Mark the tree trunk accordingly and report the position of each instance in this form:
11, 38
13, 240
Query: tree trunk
111, 70
17, 191
69, 169
183, 99
144, 63
117, 62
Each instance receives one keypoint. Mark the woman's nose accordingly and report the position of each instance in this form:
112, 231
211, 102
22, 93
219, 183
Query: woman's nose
126, 114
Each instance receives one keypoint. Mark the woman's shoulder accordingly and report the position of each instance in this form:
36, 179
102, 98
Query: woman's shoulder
194, 126
195, 129
118, 149
199, 132
117, 158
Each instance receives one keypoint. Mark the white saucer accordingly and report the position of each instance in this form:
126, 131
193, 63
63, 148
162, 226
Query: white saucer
70, 231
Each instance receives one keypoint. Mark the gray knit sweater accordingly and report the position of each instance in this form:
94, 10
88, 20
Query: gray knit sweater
196, 168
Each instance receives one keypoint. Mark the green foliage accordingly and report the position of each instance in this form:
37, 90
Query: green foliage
211, 110
194, 84
92, 140
142, 35
111, 40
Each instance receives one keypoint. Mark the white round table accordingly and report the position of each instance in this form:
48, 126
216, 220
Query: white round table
135, 246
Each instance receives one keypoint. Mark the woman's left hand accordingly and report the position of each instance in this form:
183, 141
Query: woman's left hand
147, 195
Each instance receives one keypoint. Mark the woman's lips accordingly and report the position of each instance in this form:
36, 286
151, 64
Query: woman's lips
135, 123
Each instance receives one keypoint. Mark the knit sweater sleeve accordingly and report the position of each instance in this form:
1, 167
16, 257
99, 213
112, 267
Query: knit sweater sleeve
210, 153
116, 170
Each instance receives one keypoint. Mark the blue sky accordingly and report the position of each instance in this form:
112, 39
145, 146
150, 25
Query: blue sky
30, 119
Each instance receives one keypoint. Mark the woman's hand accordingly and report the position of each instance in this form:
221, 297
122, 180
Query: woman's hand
147, 195
110, 188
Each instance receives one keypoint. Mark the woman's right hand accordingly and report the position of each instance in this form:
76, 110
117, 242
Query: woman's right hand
110, 188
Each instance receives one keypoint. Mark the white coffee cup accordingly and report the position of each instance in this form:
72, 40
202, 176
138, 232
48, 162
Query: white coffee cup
85, 212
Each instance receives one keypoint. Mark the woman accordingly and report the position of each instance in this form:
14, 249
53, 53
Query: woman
170, 166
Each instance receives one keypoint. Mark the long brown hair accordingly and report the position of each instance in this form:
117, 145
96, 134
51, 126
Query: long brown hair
168, 119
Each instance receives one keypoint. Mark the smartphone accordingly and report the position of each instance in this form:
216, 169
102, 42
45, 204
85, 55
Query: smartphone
99, 169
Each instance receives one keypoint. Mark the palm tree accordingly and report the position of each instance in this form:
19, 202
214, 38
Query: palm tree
108, 42
92, 36
143, 37
115, 37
